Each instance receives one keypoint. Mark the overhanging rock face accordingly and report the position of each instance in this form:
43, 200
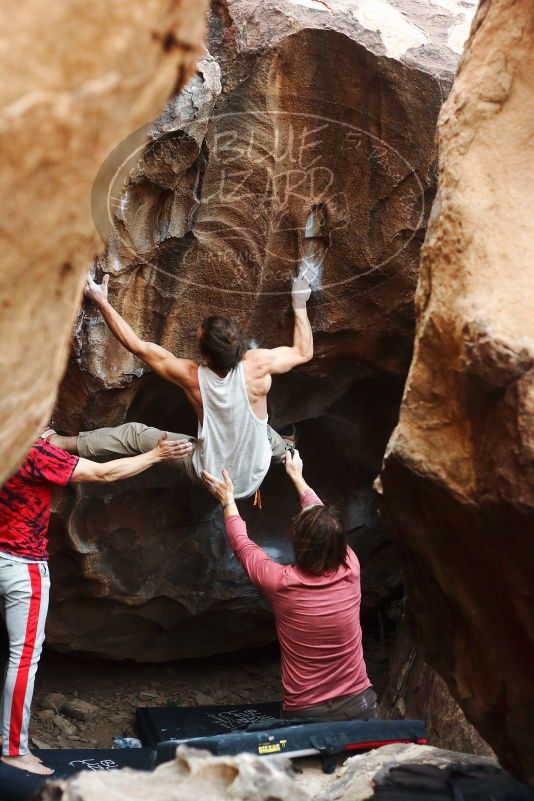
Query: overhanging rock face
76, 79
307, 133
459, 472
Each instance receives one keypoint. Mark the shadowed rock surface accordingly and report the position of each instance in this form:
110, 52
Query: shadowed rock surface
143, 569
76, 78
416, 691
459, 473
307, 133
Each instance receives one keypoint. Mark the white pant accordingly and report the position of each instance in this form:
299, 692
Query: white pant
24, 591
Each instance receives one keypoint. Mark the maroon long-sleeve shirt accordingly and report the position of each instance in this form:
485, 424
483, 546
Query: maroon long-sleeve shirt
317, 620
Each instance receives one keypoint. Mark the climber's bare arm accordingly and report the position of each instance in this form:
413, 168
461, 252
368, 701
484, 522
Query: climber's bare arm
284, 359
163, 362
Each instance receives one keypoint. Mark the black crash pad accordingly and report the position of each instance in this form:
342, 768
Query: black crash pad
19, 785
258, 729
155, 724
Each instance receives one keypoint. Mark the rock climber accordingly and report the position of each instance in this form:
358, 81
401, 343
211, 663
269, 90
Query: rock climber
228, 394
316, 604
25, 504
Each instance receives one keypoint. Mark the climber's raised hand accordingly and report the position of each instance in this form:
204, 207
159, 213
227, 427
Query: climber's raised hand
301, 289
97, 293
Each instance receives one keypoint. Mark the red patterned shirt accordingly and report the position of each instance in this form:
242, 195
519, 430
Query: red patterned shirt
25, 500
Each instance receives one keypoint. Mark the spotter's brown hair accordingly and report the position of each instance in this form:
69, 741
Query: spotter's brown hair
319, 540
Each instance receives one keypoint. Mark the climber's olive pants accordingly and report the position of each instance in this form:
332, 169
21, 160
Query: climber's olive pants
130, 439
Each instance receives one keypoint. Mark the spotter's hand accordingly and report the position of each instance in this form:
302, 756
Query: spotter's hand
293, 463
173, 450
222, 489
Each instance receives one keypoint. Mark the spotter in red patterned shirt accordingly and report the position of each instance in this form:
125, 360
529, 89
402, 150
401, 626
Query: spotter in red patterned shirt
25, 500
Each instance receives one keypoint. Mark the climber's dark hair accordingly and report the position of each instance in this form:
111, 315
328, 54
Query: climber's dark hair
319, 540
222, 343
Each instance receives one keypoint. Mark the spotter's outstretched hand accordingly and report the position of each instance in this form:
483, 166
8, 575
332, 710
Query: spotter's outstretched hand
222, 489
173, 450
293, 463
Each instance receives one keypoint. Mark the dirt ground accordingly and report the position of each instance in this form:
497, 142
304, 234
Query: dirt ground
116, 689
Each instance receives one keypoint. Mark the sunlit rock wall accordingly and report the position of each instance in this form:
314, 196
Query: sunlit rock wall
459, 473
77, 77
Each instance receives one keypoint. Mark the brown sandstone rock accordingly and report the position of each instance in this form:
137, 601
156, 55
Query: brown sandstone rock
64, 726
79, 710
416, 691
308, 132
216, 216
76, 78
53, 701
459, 472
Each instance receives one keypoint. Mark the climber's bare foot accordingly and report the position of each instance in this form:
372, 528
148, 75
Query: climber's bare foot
27, 762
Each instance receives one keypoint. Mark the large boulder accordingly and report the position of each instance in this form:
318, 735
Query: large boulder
143, 569
459, 474
292, 152
76, 78
308, 132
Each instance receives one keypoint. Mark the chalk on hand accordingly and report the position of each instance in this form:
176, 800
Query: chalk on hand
309, 270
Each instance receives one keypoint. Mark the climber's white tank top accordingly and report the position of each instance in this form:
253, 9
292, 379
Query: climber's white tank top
231, 435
